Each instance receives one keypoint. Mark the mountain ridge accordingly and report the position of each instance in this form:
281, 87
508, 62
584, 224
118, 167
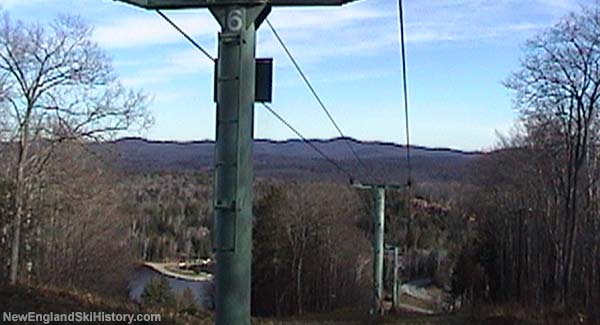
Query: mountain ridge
292, 159
312, 140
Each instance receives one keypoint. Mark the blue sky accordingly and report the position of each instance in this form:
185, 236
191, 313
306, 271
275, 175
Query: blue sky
458, 51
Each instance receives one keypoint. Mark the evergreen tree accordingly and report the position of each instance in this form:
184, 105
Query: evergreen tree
157, 292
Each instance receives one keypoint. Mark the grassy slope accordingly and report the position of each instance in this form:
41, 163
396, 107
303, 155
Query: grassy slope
23, 299
46, 300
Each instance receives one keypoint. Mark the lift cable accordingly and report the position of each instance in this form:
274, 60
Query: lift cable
305, 140
402, 42
316, 95
196, 45
279, 117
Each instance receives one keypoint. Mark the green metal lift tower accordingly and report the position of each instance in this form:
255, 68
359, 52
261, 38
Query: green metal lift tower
233, 176
378, 191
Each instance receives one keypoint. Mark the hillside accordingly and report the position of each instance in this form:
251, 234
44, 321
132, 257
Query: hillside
22, 300
294, 160
54, 302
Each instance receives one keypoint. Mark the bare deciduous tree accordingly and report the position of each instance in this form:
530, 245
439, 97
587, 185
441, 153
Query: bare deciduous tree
558, 93
309, 255
56, 85
83, 239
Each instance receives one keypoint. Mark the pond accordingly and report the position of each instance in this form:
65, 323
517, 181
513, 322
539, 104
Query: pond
203, 290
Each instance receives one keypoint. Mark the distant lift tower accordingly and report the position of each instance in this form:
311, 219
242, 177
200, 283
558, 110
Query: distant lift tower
378, 212
235, 96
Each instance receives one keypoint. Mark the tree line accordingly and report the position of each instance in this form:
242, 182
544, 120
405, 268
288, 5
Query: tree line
536, 196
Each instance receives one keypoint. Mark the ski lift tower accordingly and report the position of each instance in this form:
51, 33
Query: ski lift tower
235, 80
378, 214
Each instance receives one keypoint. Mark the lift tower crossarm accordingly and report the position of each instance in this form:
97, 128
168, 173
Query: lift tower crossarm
391, 187
188, 4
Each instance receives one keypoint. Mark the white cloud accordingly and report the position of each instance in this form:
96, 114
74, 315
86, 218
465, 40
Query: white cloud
318, 35
151, 29
10, 4
316, 30
166, 68
467, 20
346, 76
332, 19
561, 4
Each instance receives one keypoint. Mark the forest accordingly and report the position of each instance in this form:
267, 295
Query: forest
519, 225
